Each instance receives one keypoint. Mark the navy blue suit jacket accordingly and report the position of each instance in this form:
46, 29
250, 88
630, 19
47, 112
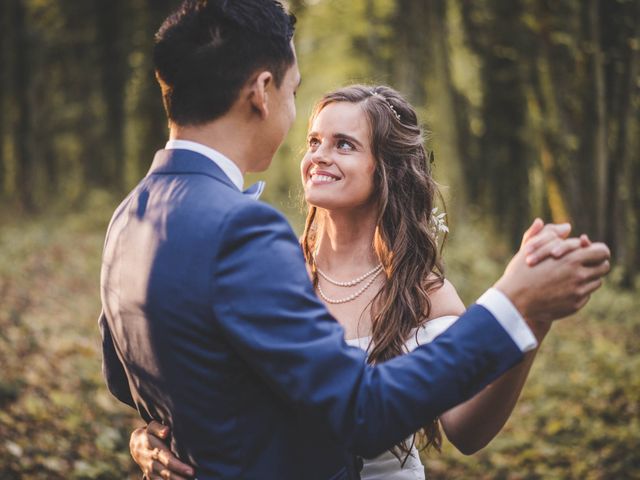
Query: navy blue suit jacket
211, 326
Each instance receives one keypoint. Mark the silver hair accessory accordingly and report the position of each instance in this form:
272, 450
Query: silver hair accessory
374, 93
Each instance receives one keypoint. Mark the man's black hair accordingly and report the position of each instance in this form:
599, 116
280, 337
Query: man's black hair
207, 50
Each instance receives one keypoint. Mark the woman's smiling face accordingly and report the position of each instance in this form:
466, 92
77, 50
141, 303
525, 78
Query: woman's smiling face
338, 167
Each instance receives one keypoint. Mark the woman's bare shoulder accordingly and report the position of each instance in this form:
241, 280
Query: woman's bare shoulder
445, 301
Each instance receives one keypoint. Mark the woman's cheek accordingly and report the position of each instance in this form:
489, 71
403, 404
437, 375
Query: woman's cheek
304, 166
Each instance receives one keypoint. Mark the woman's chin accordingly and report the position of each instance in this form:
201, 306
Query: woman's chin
316, 200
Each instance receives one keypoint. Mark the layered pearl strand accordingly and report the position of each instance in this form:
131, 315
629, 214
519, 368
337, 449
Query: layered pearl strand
349, 283
371, 275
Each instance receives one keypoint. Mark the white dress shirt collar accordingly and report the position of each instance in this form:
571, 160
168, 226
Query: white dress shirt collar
227, 165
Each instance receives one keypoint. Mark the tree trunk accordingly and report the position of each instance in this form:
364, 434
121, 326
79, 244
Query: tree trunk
372, 46
546, 113
21, 89
146, 121
445, 103
600, 122
4, 29
627, 175
409, 62
503, 146
157, 131
112, 61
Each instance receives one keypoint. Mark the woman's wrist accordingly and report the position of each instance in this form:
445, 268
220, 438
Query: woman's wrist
540, 328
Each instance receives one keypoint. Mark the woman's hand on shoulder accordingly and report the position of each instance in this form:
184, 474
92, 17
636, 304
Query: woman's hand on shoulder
150, 452
445, 301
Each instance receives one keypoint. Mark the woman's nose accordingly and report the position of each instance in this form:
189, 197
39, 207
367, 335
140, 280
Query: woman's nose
321, 156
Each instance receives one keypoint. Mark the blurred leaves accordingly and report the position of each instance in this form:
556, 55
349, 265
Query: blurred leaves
579, 415
57, 421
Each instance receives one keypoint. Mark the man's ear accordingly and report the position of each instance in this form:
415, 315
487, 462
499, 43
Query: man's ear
259, 93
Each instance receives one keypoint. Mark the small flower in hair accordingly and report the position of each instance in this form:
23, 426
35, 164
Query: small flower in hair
439, 224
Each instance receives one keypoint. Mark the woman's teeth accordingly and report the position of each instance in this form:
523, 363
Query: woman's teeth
323, 178
319, 178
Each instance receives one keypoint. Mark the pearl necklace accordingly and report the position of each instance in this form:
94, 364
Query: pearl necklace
349, 283
353, 296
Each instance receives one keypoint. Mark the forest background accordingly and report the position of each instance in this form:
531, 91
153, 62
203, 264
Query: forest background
533, 109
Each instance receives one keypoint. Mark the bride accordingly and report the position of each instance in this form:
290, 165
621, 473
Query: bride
371, 246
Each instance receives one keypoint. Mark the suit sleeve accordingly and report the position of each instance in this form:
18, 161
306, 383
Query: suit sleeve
265, 305
112, 368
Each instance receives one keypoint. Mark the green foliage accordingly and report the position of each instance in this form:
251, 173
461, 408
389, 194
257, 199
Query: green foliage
534, 105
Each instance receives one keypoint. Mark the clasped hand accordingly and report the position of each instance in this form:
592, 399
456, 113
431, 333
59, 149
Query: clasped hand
553, 275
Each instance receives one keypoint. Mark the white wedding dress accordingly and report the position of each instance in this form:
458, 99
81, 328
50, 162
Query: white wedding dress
387, 466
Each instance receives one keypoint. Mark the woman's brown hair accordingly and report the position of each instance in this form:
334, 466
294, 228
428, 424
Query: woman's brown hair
405, 239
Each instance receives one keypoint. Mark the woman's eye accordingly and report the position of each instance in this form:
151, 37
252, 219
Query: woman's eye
345, 145
313, 142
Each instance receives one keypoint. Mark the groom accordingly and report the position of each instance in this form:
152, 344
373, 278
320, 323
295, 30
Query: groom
210, 324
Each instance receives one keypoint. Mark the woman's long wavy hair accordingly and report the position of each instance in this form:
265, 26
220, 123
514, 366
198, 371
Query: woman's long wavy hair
405, 237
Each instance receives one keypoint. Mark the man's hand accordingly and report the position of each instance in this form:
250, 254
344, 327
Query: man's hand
150, 452
554, 287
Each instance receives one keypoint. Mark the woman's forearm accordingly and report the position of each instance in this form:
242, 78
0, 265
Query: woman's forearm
472, 425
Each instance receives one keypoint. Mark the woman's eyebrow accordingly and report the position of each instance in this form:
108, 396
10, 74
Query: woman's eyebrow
344, 136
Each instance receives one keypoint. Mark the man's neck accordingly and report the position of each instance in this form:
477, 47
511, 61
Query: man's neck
219, 135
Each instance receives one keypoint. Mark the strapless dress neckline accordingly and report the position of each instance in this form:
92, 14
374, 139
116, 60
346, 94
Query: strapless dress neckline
387, 466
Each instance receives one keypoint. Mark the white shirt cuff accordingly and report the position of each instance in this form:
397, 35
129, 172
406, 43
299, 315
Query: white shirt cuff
508, 316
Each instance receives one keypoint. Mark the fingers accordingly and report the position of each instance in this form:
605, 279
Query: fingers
556, 248
162, 459
583, 301
596, 271
561, 229
594, 254
150, 452
586, 280
532, 231
137, 436
583, 293
549, 233
590, 287
157, 429
174, 465
163, 475
161, 472
139, 448
590, 280
585, 241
